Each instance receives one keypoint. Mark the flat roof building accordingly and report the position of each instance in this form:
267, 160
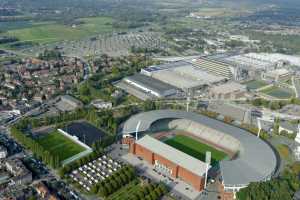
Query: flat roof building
230, 90
277, 75
174, 162
149, 86
215, 67
68, 103
187, 77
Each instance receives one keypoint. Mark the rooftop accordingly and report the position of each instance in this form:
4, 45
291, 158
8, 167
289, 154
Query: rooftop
228, 88
150, 83
178, 157
187, 76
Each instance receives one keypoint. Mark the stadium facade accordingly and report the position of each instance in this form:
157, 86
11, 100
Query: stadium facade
249, 163
171, 161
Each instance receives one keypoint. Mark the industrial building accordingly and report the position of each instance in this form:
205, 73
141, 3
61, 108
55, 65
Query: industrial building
68, 103
215, 67
171, 160
277, 75
145, 87
230, 90
185, 76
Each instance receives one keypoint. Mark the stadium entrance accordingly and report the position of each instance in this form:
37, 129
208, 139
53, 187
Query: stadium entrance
162, 168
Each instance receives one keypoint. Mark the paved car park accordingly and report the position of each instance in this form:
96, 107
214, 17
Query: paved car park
95, 171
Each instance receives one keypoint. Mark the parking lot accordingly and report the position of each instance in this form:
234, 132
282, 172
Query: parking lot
94, 171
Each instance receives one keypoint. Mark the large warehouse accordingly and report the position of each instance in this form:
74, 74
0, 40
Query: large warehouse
249, 164
175, 162
183, 75
145, 87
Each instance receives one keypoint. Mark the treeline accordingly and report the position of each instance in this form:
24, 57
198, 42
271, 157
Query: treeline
50, 55
114, 182
274, 105
5, 39
50, 120
37, 149
80, 162
146, 192
283, 187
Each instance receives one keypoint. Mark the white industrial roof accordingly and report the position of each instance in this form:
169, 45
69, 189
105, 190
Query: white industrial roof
228, 88
187, 76
178, 157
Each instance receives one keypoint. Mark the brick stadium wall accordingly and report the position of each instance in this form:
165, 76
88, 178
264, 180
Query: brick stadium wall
177, 171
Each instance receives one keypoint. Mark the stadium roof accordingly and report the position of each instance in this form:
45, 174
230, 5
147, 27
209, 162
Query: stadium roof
150, 83
256, 160
178, 157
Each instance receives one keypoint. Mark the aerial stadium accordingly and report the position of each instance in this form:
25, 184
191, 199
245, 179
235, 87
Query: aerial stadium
177, 142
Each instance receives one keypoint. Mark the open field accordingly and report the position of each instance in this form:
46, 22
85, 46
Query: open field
255, 84
47, 32
58, 144
195, 148
278, 92
218, 12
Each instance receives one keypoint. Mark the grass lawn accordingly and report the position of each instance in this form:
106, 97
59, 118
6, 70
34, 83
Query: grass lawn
283, 151
58, 144
255, 84
47, 32
195, 148
278, 92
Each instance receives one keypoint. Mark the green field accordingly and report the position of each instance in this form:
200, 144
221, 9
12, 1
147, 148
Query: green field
58, 144
47, 32
194, 148
255, 84
278, 92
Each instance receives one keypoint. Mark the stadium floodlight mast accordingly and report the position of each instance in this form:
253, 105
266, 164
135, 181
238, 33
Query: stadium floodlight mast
137, 129
259, 126
207, 162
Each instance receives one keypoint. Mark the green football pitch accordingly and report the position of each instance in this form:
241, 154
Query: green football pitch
195, 148
58, 144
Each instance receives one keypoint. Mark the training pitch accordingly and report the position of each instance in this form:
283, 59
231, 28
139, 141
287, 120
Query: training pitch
58, 144
195, 148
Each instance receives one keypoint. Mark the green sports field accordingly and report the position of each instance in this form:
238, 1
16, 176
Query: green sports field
255, 84
277, 92
58, 144
195, 148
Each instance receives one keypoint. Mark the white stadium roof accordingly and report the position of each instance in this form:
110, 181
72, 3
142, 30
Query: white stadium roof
177, 157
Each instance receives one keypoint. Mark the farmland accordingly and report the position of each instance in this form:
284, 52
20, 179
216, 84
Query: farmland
46, 32
195, 148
